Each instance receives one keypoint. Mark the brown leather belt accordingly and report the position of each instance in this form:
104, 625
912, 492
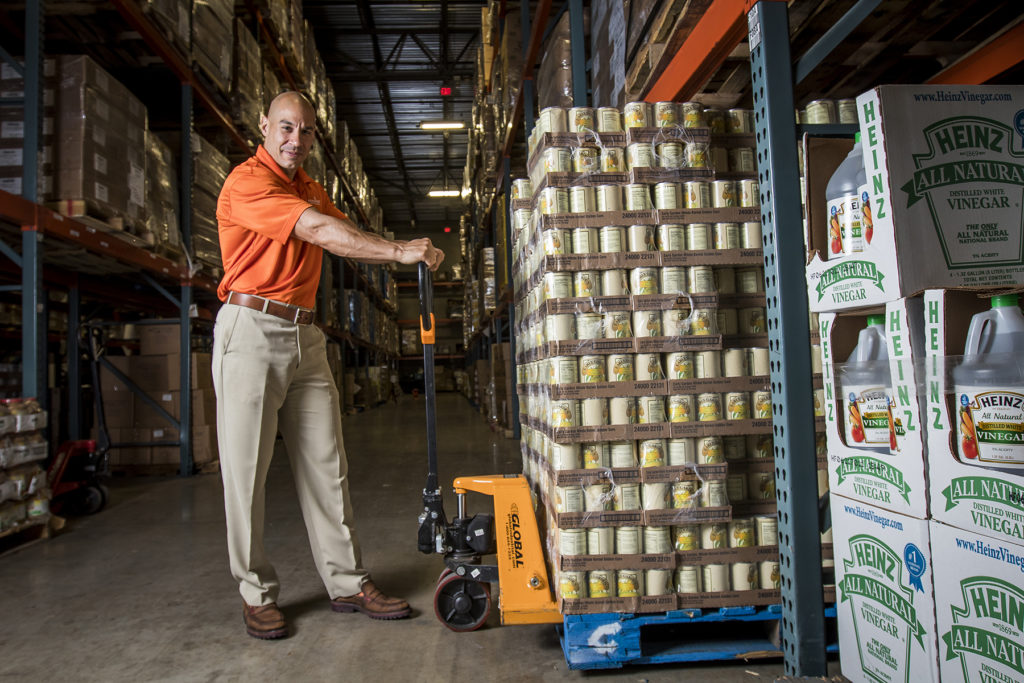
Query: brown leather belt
293, 314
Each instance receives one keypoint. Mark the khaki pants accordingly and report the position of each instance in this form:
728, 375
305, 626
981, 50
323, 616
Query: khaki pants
271, 374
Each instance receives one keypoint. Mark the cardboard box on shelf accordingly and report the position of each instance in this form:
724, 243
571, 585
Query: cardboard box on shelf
163, 455
159, 340
978, 606
131, 455
157, 373
966, 492
889, 474
146, 416
204, 407
204, 444
945, 207
886, 596
119, 411
112, 388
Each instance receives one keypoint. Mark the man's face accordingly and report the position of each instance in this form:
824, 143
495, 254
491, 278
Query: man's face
289, 132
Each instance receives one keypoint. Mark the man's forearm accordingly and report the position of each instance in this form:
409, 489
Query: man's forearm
344, 238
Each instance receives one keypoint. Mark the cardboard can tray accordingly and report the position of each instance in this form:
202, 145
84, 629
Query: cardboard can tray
672, 601
654, 175
697, 135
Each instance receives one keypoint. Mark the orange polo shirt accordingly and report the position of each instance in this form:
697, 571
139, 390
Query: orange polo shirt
256, 213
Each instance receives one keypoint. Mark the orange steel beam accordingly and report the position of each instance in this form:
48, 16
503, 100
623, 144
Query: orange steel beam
987, 62
722, 27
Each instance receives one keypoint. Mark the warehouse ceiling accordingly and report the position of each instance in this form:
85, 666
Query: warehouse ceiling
388, 60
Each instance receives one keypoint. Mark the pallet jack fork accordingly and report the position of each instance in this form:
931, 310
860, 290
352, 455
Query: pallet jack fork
462, 599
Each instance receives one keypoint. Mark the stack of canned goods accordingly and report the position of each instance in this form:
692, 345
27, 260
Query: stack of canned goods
819, 112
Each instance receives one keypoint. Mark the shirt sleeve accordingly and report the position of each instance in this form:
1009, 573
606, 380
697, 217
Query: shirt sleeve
261, 205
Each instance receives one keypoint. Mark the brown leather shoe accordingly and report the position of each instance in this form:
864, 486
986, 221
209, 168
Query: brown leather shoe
265, 623
374, 604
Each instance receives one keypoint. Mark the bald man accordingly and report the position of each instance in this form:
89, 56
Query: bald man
270, 367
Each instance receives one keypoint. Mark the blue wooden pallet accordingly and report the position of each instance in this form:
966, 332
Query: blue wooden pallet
614, 640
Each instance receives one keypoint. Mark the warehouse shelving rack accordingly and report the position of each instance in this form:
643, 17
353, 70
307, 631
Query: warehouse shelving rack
45, 233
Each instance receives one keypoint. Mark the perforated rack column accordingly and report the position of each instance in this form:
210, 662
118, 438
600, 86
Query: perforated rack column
796, 487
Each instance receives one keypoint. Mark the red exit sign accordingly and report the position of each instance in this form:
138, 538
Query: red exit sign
446, 90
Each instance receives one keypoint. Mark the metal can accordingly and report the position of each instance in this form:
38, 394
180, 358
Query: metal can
581, 119
703, 321
555, 241
618, 325
614, 282
648, 367
658, 539
709, 407
568, 498
654, 497
572, 541
553, 200
588, 326
739, 121
674, 322
734, 447
671, 237
847, 111
685, 494
752, 320
612, 239
707, 364
750, 280
620, 365
741, 533
601, 583
761, 485
701, 279
769, 575
557, 285
728, 322
565, 456
586, 283
643, 281
714, 536
727, 235
737, 405
760, 446
622, 410
709, 450
562, 413
668, 196
612, 160
736, 485
522, 188
592, 369
670, 154
680, 408
723, 194
686, 537
597, 497
744, 576
666, 114
572, 585
658, 581
725, 280
624, 454
734, 362
609, 120
696, 155
647, 323
693, 114
552, 120
522, 219
698, 194
581, 199
680, 365
715, 120
640, 238
609, 198
651, 410
741, 160
637, 115
715, 578
556, 159
638, 197
563, 370
762, 401
639, 155
559, 327
681, 452
698, 238
585, 241
821, 112
767, 530
586, 159
759, 361
750, 193
595, 456
673, 280
630, 583
600, 540
626, 496
688, 579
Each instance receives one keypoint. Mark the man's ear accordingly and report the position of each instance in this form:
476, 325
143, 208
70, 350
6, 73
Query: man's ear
264, 121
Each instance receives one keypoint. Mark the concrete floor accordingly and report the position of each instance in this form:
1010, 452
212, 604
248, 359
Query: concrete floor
141, 591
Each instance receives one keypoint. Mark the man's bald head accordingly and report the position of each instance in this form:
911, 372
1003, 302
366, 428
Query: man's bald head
289, 129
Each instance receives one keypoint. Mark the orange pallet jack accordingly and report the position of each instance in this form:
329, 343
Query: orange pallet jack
462, 599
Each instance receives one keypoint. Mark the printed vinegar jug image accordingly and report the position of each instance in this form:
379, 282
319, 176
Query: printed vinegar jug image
867, 388
989, 387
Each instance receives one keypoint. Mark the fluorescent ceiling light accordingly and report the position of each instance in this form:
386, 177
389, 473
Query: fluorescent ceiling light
442, 125
444, 193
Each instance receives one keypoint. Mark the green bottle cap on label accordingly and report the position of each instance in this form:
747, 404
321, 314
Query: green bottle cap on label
856, 138
1003, 300
877, 319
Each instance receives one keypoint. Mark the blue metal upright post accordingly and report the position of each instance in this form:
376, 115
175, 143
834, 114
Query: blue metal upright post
33, 128
577, 44
74, 365
514, 408
185, 420
185, 179
803, 621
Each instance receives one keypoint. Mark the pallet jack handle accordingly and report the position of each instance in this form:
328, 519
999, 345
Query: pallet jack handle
432, 521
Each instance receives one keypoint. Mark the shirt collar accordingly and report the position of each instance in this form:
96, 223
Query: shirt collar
263, 156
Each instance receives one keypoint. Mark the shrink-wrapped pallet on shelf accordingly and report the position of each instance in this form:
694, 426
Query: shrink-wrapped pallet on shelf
174, 19
247, 80
101, 149
210, 169
212, 22
12, 130
162, 200
271, 86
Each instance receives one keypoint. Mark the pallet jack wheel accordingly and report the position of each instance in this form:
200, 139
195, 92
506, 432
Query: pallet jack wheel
93, 499
462, 604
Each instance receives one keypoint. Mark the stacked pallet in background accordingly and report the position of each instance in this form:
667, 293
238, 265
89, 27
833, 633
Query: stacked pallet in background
24, 493
12, 130
212, 24
247, 80
162, 198
210, 169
